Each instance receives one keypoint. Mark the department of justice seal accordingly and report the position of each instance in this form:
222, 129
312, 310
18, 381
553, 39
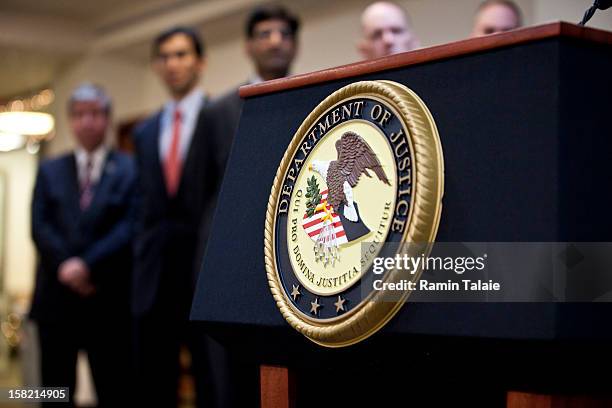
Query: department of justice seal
364, 168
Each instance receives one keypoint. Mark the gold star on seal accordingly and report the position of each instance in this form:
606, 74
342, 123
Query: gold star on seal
314, 306
295, 292
340, 304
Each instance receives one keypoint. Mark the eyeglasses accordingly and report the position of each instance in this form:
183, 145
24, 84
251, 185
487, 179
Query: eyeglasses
263, 35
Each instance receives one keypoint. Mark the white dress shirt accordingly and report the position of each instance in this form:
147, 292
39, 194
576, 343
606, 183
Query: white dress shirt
255, 79
98, 157
189, 107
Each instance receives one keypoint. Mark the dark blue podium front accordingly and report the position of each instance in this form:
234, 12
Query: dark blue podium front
525, 130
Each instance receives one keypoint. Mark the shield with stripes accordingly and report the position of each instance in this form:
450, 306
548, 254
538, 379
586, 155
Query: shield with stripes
329, 230
315, 225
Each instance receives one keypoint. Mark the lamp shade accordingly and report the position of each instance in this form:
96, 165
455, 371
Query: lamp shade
26, 123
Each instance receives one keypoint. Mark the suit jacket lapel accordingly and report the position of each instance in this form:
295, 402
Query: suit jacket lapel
73, 193
192, 157
157, 171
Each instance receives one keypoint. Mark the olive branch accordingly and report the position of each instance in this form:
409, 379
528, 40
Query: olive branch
313, 194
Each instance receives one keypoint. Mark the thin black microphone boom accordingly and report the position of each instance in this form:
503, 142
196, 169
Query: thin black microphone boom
598, 4
603, 4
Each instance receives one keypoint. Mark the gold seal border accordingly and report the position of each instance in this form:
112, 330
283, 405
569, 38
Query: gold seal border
422, 224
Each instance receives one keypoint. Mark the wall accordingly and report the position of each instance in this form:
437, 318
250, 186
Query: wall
19, 169
570, 11
123, 80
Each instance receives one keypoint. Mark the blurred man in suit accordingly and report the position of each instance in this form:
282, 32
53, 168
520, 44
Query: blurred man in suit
82, 213
178, 179
496, 16
271, 44
386, 29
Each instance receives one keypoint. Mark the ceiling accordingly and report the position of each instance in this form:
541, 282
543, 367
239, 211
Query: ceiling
39, 37
76, 9
88, 12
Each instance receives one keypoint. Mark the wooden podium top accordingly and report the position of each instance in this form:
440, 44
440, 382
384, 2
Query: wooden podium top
438, 52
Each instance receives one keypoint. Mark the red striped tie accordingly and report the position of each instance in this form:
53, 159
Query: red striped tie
172, 164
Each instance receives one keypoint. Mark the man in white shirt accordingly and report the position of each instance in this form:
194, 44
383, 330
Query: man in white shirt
178, 179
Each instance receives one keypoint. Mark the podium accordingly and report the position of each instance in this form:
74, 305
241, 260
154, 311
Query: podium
524, 119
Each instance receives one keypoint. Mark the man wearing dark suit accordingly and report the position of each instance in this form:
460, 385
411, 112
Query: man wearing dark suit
178, 178
82, 214
271, 44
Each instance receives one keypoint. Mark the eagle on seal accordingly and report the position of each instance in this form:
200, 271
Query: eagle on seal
355, 157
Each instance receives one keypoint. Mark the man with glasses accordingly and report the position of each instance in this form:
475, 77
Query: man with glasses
271, 44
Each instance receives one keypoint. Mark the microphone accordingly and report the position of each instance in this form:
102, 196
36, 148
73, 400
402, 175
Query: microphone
603, 4
598, 4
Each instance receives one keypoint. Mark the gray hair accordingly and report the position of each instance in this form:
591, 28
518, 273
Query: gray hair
87, 92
